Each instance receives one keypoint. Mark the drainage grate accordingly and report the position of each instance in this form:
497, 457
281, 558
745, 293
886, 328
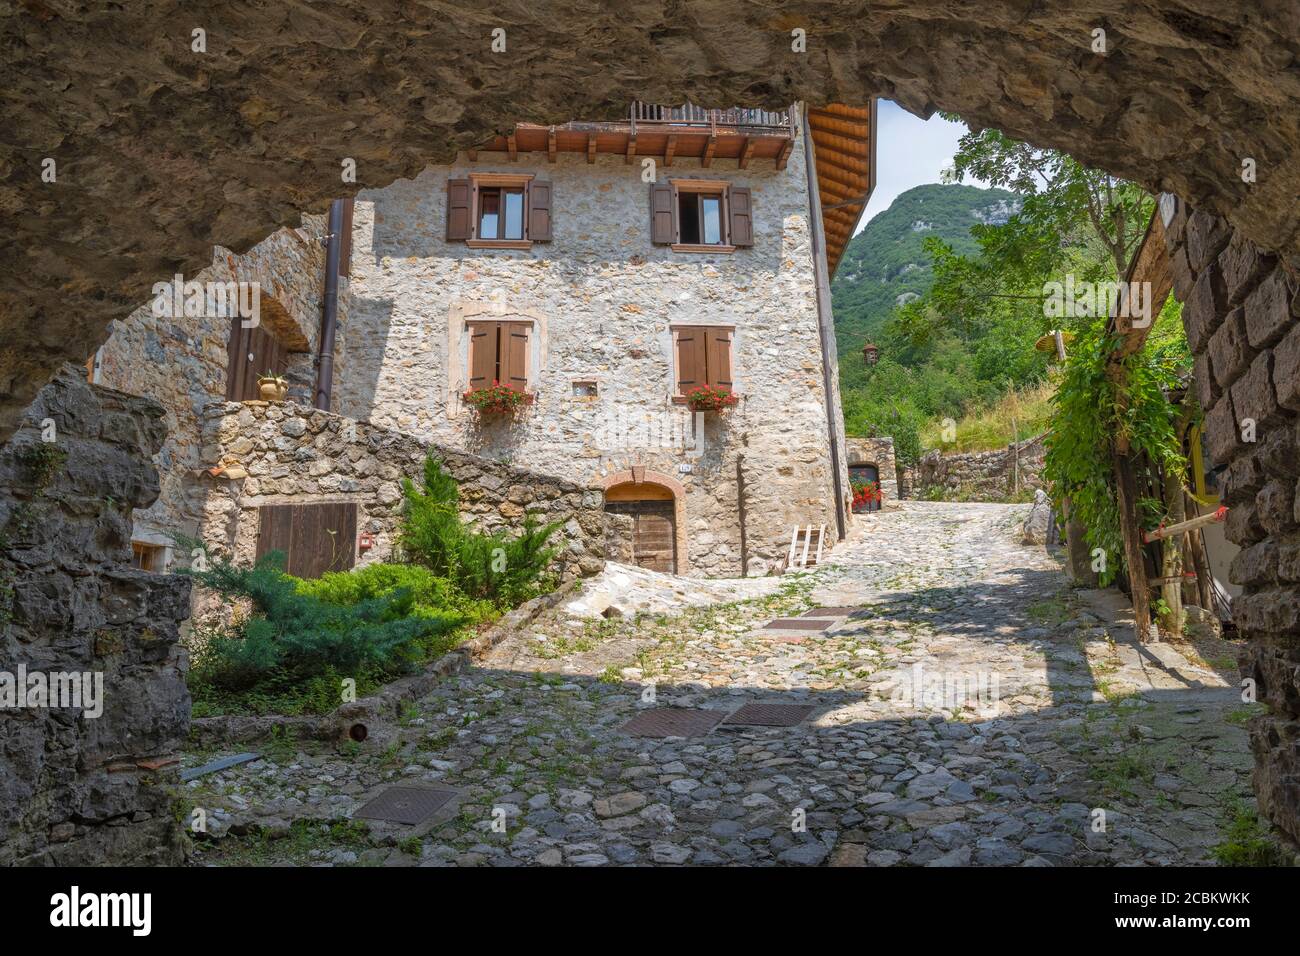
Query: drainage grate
830, 612
672, 722
405, 804
770, 715
796, 624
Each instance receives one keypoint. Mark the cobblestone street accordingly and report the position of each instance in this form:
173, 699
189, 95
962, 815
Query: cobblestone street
967, 708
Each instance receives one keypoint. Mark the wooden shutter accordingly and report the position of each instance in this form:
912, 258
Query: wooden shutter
315, 538
345, 240
514, 355
663, 214
691, 344
741, 231
251, 352
539, 211
460, 220
719, 357
483, 354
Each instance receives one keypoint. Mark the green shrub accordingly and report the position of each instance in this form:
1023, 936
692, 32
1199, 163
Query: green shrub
302, 635
431, 596
491, 567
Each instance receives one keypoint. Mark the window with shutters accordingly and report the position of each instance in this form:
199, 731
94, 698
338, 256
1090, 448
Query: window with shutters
703, 356
499, 354
500, 211
699, 215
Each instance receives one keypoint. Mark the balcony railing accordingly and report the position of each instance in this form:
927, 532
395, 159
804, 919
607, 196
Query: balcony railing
688, 114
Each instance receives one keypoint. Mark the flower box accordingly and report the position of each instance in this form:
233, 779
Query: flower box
707, 398
497, 400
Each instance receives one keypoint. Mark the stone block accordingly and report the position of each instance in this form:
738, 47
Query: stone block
1268, 310
1256, 566
1207, 235
1184, 277
1242, 526
1275, 506
1229, 351
1208, 389
1205, 309
1253, 397
1286, 370
1242, 479
1222, 435
1243, 265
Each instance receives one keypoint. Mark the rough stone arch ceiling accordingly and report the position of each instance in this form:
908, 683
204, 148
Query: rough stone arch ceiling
162, 153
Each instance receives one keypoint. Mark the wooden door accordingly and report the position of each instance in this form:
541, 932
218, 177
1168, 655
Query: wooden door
314, 538
654, 533
251, 352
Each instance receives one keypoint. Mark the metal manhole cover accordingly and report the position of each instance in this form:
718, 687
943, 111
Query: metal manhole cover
408, 805
796, 624
672, 722
830, 612
771, 715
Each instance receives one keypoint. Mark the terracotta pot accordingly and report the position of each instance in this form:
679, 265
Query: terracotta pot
272, 390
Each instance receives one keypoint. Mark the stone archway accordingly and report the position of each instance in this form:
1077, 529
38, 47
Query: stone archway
659, 486
110, 187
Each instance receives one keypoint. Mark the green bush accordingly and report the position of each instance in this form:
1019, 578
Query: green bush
303, 635
431, 596
492, 567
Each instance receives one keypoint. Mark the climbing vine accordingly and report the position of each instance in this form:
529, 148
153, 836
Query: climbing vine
1090, 415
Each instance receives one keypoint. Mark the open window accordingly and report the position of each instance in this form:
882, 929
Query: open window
699, 215
499, 354
495, 210
703, 357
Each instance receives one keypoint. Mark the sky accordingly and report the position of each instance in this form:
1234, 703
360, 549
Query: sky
909, 152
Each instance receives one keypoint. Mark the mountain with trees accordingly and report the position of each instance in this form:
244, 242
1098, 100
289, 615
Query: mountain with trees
886, 263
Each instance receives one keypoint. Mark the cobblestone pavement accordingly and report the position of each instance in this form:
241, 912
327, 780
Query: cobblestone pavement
976, 711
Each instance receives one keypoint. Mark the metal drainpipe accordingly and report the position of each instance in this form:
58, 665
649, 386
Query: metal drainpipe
330, 309
821, 269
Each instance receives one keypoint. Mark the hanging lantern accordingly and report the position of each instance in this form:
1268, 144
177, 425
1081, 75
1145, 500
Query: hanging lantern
870, 354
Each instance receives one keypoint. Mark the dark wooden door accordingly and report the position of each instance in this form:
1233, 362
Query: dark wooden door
654, 533
251, 352
315, 538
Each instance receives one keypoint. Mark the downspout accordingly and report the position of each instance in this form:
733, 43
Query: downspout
329, 310
822, 272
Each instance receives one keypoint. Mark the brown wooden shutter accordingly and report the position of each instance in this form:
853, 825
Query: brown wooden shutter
742, 217
539, 211
460, 221
482, 354
514, 355
719, 358
315, 538
345, 240
663, 214
691, 344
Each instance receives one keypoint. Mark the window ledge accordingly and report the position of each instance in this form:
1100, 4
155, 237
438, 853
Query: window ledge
693, 247
681, 399
499, 243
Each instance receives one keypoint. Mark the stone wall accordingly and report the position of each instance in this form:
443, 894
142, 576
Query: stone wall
298, 455
1240, 310
878, 452
602, 299
77, 789
182, 361
980, 476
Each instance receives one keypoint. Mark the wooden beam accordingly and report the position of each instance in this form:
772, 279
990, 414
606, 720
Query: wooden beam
631, 149
1151, 269
512, 147
669, 149
591, 148
707, 158
1126, 493
550, 145
748, 152
784, 155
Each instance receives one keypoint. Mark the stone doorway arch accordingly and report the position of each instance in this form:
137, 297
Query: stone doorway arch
657, 504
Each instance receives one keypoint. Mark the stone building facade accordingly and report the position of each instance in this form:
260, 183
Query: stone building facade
868, 454
603, 306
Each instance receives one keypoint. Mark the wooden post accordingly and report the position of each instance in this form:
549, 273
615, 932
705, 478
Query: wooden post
1126, 493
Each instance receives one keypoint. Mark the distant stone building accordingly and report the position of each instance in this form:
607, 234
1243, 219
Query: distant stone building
872, 459
604, 270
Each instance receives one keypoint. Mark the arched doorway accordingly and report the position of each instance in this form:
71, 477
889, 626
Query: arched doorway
654, 503
860, 476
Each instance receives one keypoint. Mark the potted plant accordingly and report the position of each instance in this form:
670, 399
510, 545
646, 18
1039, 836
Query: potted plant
272, 387
497, 400
867, 496
707, 398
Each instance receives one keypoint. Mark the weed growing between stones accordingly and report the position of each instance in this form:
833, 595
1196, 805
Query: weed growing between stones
43, 461
1247, 841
